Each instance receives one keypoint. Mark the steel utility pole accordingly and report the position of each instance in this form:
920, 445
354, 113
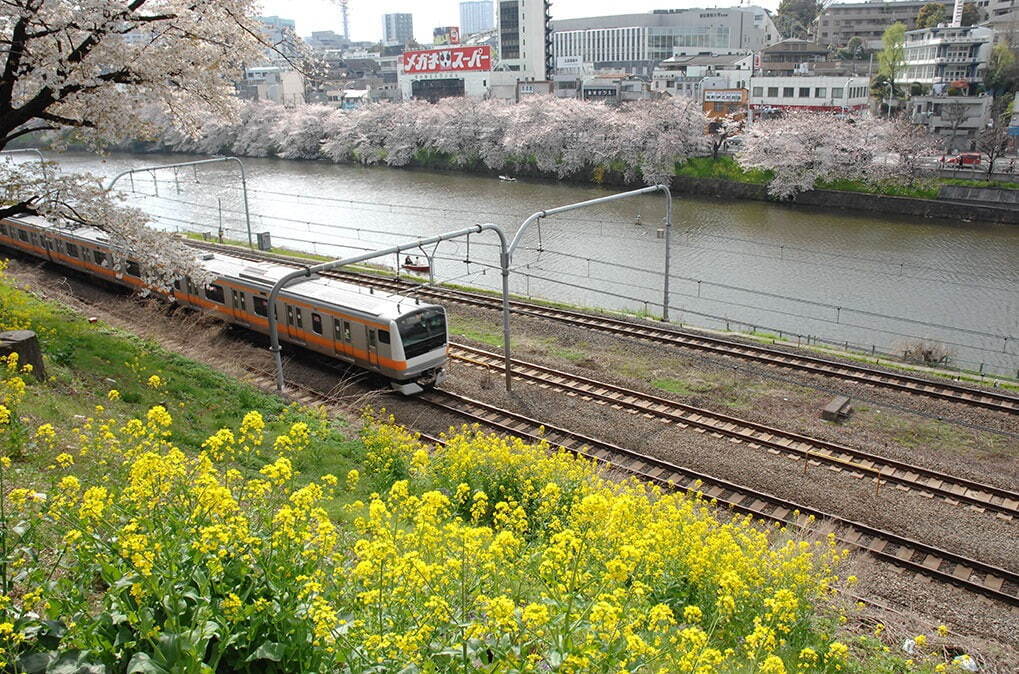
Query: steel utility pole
240, 164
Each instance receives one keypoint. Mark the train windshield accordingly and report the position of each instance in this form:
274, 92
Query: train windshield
422, 331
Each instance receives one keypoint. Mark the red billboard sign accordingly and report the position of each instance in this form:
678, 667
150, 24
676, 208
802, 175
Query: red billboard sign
448, 59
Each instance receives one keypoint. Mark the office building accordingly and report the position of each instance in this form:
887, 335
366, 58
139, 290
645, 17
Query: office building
818, 94
397, 29
476, 16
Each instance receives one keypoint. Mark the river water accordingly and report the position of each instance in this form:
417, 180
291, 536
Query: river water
876, 282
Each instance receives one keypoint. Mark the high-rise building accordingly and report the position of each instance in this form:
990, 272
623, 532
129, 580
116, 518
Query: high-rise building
525, 38
397, 28
476, 16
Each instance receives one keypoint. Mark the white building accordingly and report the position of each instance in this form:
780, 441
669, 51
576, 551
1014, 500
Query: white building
524, 38
682, 74
636, 42
832, 94
272, 83
455, 70
942, 55
476, 16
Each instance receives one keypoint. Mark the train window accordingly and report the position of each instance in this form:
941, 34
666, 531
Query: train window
337, 333
99, 256
300, 319
371, 338
238, 300
316, 323
177, 284
23, 235
260, 305
133, 269
215, 293
290, 315
384, 336
72, 249
346, 331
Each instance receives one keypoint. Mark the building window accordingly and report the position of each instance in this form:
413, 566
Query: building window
772, 92
788, 92
804, 92
820, 92
836, 92
758, 92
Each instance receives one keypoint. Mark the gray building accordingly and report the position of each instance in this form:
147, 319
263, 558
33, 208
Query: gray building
397, 29
868, 20
281, 35
958, 119
638, 41
476, 16
525, 38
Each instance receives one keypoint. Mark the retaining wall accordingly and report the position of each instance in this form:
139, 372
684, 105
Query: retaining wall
836, 199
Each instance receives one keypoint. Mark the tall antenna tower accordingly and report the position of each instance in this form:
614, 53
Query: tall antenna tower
345, 9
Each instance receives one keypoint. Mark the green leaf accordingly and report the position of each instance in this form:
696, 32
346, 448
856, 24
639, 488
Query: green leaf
36, 663
269, 650
141, 663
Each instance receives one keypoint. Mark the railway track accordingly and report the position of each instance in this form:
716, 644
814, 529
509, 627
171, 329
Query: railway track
964, 572
855, 462
671, 335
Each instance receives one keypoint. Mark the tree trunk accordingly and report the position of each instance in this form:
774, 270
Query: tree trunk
26, 345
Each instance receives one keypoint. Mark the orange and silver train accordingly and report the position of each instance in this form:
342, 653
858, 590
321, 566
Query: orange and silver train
393, 335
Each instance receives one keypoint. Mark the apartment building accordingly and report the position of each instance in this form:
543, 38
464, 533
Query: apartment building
868, 20
831, 94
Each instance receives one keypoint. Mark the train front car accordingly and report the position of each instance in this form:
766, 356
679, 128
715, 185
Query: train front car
421, 341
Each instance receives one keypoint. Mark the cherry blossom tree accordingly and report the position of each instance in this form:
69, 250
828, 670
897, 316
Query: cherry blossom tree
802, 148
97, 68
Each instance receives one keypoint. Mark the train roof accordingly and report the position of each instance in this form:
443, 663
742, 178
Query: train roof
328, 290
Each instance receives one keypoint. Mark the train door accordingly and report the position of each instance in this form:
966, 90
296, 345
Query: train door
240, 311
373, 346
295, 324
342, 338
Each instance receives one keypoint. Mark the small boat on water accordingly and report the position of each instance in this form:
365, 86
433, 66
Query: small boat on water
508, 179
415, 264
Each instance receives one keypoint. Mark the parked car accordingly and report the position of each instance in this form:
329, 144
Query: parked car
963, 159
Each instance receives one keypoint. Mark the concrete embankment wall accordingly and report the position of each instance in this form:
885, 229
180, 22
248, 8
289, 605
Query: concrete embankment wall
952, 208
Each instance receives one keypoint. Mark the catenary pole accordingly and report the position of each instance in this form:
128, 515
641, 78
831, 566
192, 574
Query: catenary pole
42, 160
240, 164
603, 200
306, 273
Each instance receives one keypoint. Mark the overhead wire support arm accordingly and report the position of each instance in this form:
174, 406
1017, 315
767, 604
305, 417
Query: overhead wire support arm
538, 216
42, 160
215, 160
